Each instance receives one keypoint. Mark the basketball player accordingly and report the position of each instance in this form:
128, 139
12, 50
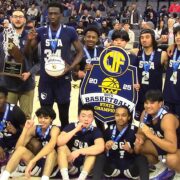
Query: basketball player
151, 62
47, 135
120, 160
120, 39
172, 81
159, 134
12, 120
91, 53
56, 41
79, 143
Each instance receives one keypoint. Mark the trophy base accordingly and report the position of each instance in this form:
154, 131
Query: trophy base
12, 69
12, 75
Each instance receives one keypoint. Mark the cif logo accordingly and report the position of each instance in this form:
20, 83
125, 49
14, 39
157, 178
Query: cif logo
114, 61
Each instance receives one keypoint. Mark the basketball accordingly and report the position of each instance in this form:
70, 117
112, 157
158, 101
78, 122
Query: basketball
110, 83
55, 68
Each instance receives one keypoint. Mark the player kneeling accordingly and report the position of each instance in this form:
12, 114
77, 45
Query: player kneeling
79, 143
47, 135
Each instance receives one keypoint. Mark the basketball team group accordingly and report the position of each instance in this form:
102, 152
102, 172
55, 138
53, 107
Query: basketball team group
140, 144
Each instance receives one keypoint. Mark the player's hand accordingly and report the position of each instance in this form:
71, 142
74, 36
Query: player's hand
25, 75
170, 50
127, 147
29, 123
73, 156
147, 131
81, 74
2, 154
136, 87
32, 34
29, 168
164, 38
10, 128
109, 145
79, 126
88, 67
139, 139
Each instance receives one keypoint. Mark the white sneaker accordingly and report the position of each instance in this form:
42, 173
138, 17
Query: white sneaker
177, 176
161, 168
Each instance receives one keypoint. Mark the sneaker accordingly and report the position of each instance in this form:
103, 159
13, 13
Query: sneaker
177, 176
160, 171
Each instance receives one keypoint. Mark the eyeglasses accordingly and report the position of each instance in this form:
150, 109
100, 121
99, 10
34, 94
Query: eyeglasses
20, 17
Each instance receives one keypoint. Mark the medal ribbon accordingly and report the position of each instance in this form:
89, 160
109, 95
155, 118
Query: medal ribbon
89, 58
39, 132
176, 62
53, 42
116, 139
2, 124
147, 63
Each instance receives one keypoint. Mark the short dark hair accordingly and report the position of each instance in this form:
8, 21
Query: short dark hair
3, 90
86, 107
92, 28
56, 4
46, 111
176, 30
154, 95
125, 107
120, 34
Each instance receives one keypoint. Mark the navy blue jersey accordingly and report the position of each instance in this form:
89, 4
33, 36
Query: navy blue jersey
156, 128
43, 138
152, 80
133, 59
82, 139
17, 118
172, 88
91, 53
117, 154
67, 36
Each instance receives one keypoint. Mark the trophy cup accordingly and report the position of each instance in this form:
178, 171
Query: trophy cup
13, 61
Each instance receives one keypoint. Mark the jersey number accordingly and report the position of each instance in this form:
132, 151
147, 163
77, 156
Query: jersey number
145, 77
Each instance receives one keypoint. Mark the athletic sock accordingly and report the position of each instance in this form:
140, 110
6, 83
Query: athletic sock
5, 175
64, 174
83, 175
44, 177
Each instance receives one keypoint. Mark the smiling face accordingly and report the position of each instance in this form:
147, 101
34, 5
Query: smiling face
152, 107
44, 121
86, 117
122, 117
90, 39
177, 38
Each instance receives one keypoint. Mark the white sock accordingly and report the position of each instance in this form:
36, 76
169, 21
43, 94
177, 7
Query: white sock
5, 175
64, 174
83, 175
44, 177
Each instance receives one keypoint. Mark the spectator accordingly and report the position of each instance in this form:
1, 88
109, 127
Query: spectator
116, 26
174, 7
101, 6
32, 12
134, 17
130, 43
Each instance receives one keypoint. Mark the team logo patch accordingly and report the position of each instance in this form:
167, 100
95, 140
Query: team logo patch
109, 84
43, 96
